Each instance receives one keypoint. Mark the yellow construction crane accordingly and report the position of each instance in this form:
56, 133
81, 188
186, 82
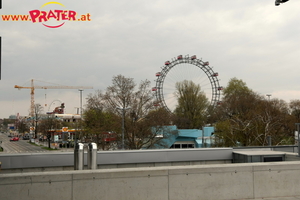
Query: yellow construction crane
33, 87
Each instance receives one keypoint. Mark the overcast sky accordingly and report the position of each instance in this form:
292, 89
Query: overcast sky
252, 40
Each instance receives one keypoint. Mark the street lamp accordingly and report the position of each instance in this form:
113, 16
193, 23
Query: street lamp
123, 122
37, 111
298, 135
80, 90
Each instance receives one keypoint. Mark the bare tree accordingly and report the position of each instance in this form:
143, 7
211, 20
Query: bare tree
122, 94
295, 108
149, 131
124, 102
38, 109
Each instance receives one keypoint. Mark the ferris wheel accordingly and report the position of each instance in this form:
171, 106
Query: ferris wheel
54, 103
183, 68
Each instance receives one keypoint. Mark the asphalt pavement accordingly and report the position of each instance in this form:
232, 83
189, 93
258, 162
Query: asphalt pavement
23, 146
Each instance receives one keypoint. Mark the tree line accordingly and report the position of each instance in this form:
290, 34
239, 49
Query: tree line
130, 112
246, 118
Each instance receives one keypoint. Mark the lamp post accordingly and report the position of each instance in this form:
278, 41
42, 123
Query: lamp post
80, 90
37, 112
35, 129
298, 137
123, 123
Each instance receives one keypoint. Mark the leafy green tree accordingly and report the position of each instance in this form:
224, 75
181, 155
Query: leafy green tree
48, 123
237, 98
97, 124
236, 110
22, 126
192, 104
224, 134
246, 118
281, 124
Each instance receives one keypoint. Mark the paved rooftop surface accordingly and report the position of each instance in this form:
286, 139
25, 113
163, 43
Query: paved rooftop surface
275, 198
266, 152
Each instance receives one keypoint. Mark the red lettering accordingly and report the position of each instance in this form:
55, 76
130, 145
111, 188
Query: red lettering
51, 15
72, 15
24, 17
58, 12
34, 14
64, 15
43, 16
88, 16
5, 17
15, 17
40, 16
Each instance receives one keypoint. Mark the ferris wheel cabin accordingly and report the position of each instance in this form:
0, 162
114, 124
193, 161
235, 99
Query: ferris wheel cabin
206, 63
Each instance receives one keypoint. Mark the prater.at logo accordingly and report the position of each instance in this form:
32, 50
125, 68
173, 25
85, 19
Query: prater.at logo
58, 15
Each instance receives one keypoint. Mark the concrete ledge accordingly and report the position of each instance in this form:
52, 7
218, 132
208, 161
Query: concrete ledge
118, 158
230, 181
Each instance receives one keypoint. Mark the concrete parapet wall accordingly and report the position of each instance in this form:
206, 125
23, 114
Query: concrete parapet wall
226, 181
27, 162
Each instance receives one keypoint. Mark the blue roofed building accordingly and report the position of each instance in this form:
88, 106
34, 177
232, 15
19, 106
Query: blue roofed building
194, 138
171, 137
166, 136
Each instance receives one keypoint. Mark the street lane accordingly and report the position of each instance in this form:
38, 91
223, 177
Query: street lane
21, 146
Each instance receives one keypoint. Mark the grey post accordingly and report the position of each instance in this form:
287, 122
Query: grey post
297, 124
123, 122
92, 156
78, 156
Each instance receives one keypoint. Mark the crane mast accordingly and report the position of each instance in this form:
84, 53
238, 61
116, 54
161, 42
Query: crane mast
33, 87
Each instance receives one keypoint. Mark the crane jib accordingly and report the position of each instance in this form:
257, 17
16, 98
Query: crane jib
33, 87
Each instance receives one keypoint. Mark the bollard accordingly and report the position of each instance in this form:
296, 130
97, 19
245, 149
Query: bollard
92, 156
78, 156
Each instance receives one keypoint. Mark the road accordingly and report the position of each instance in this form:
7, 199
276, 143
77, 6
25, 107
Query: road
21, 146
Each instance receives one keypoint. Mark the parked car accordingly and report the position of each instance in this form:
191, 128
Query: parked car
26, 137
14, 139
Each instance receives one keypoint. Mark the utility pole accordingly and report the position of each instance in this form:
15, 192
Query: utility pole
123, 127
80, 90
0, 43
37, 110
123, 124
298, 129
